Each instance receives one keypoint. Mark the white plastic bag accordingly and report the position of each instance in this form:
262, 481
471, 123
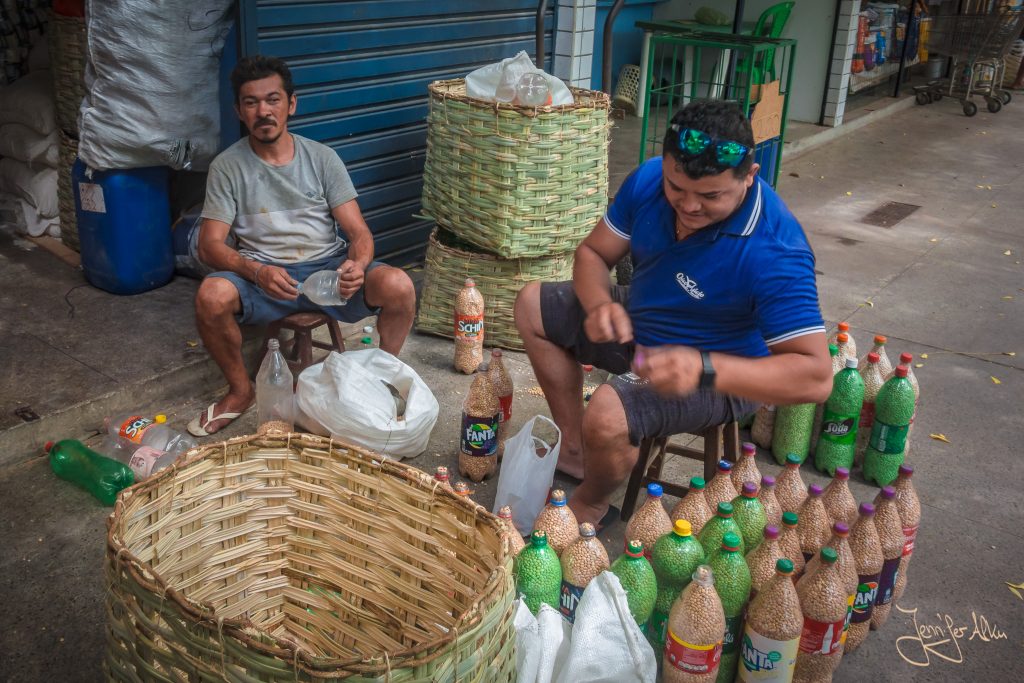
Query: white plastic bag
604, 646
344, 396
483, 83
526, 477
542, 644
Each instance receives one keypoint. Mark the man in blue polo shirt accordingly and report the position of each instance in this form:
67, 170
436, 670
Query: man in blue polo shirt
722, 313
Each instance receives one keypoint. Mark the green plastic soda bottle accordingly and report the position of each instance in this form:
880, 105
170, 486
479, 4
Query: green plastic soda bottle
838, 363
675, 558
750, 516
102, 477
893, 409
638, 580
717, 527
732, 582
837, 441
538, 573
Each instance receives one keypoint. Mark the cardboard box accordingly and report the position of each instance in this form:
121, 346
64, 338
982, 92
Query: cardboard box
767, 117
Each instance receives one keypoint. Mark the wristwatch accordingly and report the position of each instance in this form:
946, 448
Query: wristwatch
707, 375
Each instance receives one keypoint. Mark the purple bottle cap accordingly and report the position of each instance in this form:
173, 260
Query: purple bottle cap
906, 470
841, 528
866, 509
771, 532
724, 465
888, 492
814, 490
767, 481
749, 489
749, 448
842, 473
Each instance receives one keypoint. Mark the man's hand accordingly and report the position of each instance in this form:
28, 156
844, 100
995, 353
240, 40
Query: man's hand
671, 370
351, 278
608, 322
276, 282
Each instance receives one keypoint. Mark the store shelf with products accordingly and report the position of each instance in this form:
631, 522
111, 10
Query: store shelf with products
867, 79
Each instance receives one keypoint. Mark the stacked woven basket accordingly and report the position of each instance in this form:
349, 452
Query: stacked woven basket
67, 43
513, 191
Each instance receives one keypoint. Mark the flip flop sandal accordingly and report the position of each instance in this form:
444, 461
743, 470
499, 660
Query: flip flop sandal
613, 515
195, 428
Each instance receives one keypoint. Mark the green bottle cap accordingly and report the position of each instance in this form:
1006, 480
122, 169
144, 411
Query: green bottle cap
367, 340
538, 539
828, 555
634, 548
789, 518
833, 349
731, 542
725, 509
792, 459
784, 566
697, 482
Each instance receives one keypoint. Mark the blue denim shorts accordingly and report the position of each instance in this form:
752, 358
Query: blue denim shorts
260, 309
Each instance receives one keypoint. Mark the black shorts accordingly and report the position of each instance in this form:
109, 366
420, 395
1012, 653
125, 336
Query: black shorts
648, 413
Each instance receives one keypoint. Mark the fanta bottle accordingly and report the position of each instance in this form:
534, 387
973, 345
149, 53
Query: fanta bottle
771, 637
867, 556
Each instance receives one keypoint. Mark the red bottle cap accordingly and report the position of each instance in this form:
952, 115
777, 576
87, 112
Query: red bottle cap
880, 339
843, 327
901, 370
47, 446
842, 473
842, 337
874, 357
906, 357
749, 449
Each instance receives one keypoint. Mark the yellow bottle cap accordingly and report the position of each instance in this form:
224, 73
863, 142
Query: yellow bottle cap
160, 419
682, 528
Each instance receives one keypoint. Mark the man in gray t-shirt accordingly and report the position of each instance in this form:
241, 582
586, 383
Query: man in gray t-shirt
291, 206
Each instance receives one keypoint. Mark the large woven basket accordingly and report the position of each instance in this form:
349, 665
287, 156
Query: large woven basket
449, 263
293, 557
65, 192
67, 62
516, 181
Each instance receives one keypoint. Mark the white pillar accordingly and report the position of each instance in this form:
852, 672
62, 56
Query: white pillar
574, 41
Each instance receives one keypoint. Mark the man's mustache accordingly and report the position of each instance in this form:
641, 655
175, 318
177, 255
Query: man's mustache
268, 122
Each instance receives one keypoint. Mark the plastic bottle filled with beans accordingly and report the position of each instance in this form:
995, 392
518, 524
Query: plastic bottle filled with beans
695, 627
823, 605
749, 515
558, 522
720, 488
873, 378
772, 632
745, 468
538, 573
850, 344
792, 433
789, 543
837, 366
764, 425
847, 568
867, 555
584, 559
814, 523
650, 522
732, 581
638, 580
675, 557
790, 489
766, 494
501, 381
761, 560
693, 507
515, 541
909, 507
717, 527
890, 535
469, 328
837, 499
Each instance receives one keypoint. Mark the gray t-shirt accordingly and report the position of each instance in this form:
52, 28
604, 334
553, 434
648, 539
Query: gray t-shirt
280, 213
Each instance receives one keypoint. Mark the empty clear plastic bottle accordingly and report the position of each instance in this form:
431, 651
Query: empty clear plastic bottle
134, 430
144, 461
323, 288
532, 90
274, 392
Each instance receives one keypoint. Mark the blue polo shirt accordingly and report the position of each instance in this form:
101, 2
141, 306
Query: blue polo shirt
737, 286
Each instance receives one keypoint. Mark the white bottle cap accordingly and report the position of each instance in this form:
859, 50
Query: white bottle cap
851, 362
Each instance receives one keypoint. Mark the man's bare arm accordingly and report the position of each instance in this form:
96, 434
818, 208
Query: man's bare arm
597, 254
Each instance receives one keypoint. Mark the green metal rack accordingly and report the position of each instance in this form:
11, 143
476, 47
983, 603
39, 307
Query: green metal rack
687, 64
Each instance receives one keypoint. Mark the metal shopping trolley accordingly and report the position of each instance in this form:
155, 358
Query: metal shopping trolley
977, 44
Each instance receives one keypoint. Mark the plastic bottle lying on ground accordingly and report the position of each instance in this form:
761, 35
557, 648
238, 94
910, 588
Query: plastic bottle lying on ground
102, 477
134, 430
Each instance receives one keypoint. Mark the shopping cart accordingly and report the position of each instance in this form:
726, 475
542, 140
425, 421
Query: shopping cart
977, 44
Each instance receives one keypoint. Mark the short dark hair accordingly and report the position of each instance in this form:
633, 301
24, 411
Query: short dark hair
719, 119
255, 67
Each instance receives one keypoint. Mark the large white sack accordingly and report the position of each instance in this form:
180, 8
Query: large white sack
152, 88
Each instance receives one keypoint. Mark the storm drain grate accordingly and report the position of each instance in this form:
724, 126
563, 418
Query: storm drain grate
889, 214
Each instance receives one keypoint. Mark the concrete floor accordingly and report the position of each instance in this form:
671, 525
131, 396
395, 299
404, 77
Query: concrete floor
946, 282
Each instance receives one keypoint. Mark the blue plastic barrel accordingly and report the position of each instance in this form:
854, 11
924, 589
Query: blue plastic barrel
124, 227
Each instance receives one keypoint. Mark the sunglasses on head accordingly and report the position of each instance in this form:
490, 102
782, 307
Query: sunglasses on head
693, 143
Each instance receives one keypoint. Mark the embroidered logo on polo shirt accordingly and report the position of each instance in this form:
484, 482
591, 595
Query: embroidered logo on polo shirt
689, 286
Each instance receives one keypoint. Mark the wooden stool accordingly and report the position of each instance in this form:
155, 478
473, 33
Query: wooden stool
298, 350
721, 442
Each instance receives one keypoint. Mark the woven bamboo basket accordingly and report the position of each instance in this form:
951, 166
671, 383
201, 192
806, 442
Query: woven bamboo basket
65, 192
292, 557
448, 264
516, 181
67, 61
